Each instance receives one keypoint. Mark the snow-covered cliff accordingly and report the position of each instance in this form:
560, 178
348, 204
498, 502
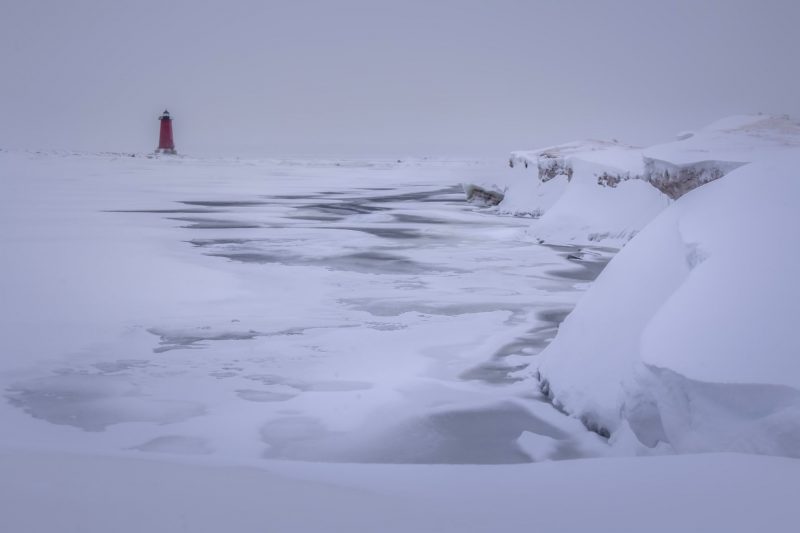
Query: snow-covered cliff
687, 337
570, 198
592, 190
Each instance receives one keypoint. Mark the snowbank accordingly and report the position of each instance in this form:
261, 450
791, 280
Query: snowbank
688, 335
589, 191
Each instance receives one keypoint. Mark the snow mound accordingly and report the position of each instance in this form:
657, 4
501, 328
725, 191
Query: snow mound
688, 335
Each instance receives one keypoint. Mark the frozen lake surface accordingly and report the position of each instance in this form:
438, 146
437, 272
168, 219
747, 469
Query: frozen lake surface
223, 345
332, 312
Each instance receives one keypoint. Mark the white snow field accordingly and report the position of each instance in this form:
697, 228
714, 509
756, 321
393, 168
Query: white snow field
307, 345
693, 493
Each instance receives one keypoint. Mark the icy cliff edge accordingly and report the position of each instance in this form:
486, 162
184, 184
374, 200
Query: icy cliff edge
594, 190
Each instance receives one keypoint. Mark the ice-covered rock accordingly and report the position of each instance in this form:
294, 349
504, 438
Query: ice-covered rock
482, 195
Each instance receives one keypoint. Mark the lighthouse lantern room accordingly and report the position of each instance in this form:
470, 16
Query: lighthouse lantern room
166, 144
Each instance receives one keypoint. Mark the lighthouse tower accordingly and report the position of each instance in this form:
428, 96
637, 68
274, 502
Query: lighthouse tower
166, 145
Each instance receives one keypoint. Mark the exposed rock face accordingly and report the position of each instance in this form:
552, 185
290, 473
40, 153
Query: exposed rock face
606, 179
676, 180
672, 179
557, 160
551, 165
577, 192
697, 158
677, 167
482, 196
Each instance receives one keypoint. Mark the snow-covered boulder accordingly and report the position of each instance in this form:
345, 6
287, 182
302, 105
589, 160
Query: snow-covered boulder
688, 336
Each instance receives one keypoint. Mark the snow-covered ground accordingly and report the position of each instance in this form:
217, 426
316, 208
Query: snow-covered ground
697, 493
209, 345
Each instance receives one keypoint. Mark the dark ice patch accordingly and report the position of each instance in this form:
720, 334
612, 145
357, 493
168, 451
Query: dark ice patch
344, 208
253, 257
121, 365
174, 211
221, 242
316, 217
494, 372
94, 402
553, 316
388, 307
178, 444
214, 223
420, 196
368, 262
384, 232
588, 272
486, 435
224, 203
298, 196
252, 395
373, 262
177, 339
417, 219
330, 385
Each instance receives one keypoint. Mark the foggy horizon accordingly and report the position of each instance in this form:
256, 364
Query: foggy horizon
387, 79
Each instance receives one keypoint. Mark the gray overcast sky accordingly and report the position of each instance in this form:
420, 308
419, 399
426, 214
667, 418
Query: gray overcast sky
386, 77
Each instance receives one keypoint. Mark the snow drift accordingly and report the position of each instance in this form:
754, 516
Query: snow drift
688, 336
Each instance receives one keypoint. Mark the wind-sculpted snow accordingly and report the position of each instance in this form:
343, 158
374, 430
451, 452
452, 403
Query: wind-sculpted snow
688, 337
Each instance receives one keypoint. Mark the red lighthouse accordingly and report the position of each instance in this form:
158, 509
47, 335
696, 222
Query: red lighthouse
166, 145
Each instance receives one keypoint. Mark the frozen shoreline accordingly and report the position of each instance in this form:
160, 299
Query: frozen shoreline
234, 310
